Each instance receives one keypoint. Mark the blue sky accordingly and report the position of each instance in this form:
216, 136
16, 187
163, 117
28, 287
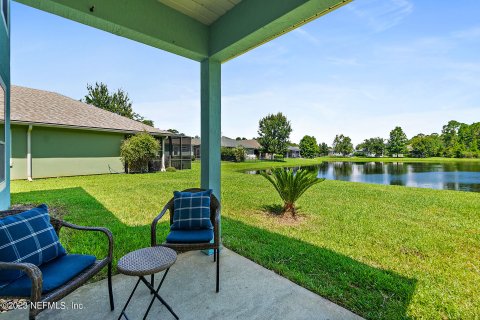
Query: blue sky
360, 71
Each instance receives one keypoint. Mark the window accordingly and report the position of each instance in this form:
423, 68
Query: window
181, 152
5, 12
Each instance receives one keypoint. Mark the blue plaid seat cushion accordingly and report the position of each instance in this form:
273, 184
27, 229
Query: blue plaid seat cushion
191, 210
28, 237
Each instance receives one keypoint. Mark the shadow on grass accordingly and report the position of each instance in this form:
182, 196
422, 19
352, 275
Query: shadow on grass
79, 207
274, 209
368, 291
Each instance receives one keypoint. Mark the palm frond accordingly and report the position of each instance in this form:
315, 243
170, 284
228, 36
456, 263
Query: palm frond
291, 185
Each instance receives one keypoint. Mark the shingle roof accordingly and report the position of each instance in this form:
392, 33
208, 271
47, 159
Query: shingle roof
228, 142
34, 106
249, 144
232, 143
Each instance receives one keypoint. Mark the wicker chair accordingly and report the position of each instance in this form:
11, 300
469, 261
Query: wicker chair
34, 273
183, 247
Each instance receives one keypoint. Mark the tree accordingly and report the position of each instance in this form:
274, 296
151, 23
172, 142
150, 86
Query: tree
450, 139
274, 131
342, 145
323, 149
117, 102
426, 145
138, 150
291, 185
360, 150
175, 131
308, 147
375, 146
240, 153
147, 122
475, 127
397, 143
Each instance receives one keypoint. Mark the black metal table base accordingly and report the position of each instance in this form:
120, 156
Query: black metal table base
155, 296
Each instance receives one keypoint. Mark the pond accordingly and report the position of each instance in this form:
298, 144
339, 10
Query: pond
463, 176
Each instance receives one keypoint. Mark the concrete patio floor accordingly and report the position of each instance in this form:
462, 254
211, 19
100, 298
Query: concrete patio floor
247, 291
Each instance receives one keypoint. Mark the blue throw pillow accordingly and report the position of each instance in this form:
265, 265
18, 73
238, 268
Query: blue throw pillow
28, 237
191, 210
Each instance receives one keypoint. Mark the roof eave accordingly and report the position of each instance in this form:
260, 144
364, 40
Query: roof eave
56, 125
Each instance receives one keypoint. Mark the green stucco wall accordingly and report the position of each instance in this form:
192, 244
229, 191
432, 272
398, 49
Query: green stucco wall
71, 143
18, 168
60, 152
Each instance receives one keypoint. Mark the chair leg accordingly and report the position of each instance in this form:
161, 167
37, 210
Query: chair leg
214, 255
152, 282
218, 270
110, 291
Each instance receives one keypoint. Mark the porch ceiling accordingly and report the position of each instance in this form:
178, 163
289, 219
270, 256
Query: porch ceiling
195, 29
205, 11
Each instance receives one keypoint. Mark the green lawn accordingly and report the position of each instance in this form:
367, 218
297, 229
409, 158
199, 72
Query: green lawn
384, 252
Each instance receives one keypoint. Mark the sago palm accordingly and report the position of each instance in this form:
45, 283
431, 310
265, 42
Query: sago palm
290, 185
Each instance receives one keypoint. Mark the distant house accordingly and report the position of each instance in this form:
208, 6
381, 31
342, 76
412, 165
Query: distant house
293, 152
252, 147
54, 135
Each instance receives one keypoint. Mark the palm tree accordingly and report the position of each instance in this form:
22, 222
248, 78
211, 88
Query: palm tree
290, 185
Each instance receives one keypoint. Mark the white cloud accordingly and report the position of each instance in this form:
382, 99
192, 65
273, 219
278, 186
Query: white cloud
304, 34
181, 114
381, 15
468, 34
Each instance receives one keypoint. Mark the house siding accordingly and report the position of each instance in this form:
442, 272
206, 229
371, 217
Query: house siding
18, 168
60, 152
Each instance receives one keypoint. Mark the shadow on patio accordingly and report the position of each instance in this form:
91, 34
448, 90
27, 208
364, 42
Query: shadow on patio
247, 290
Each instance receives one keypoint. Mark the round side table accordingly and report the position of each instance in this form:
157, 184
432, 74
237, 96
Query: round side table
144, 262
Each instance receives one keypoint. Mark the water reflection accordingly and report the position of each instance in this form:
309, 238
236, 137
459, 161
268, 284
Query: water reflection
464, 176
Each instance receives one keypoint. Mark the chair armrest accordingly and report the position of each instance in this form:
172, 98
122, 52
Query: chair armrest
153, 232
33, 272
105, 231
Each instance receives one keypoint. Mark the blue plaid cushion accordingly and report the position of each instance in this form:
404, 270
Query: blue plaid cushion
28, 237
191, 210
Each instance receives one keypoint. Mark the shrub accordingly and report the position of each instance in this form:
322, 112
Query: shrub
171, 169
309, 147
278, 157
227, 154
240, 154
138, 150
470, 154
290, 185
359, 154
193, 157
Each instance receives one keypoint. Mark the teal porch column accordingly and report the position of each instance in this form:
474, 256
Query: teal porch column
5, 104
210, 125
210, 128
